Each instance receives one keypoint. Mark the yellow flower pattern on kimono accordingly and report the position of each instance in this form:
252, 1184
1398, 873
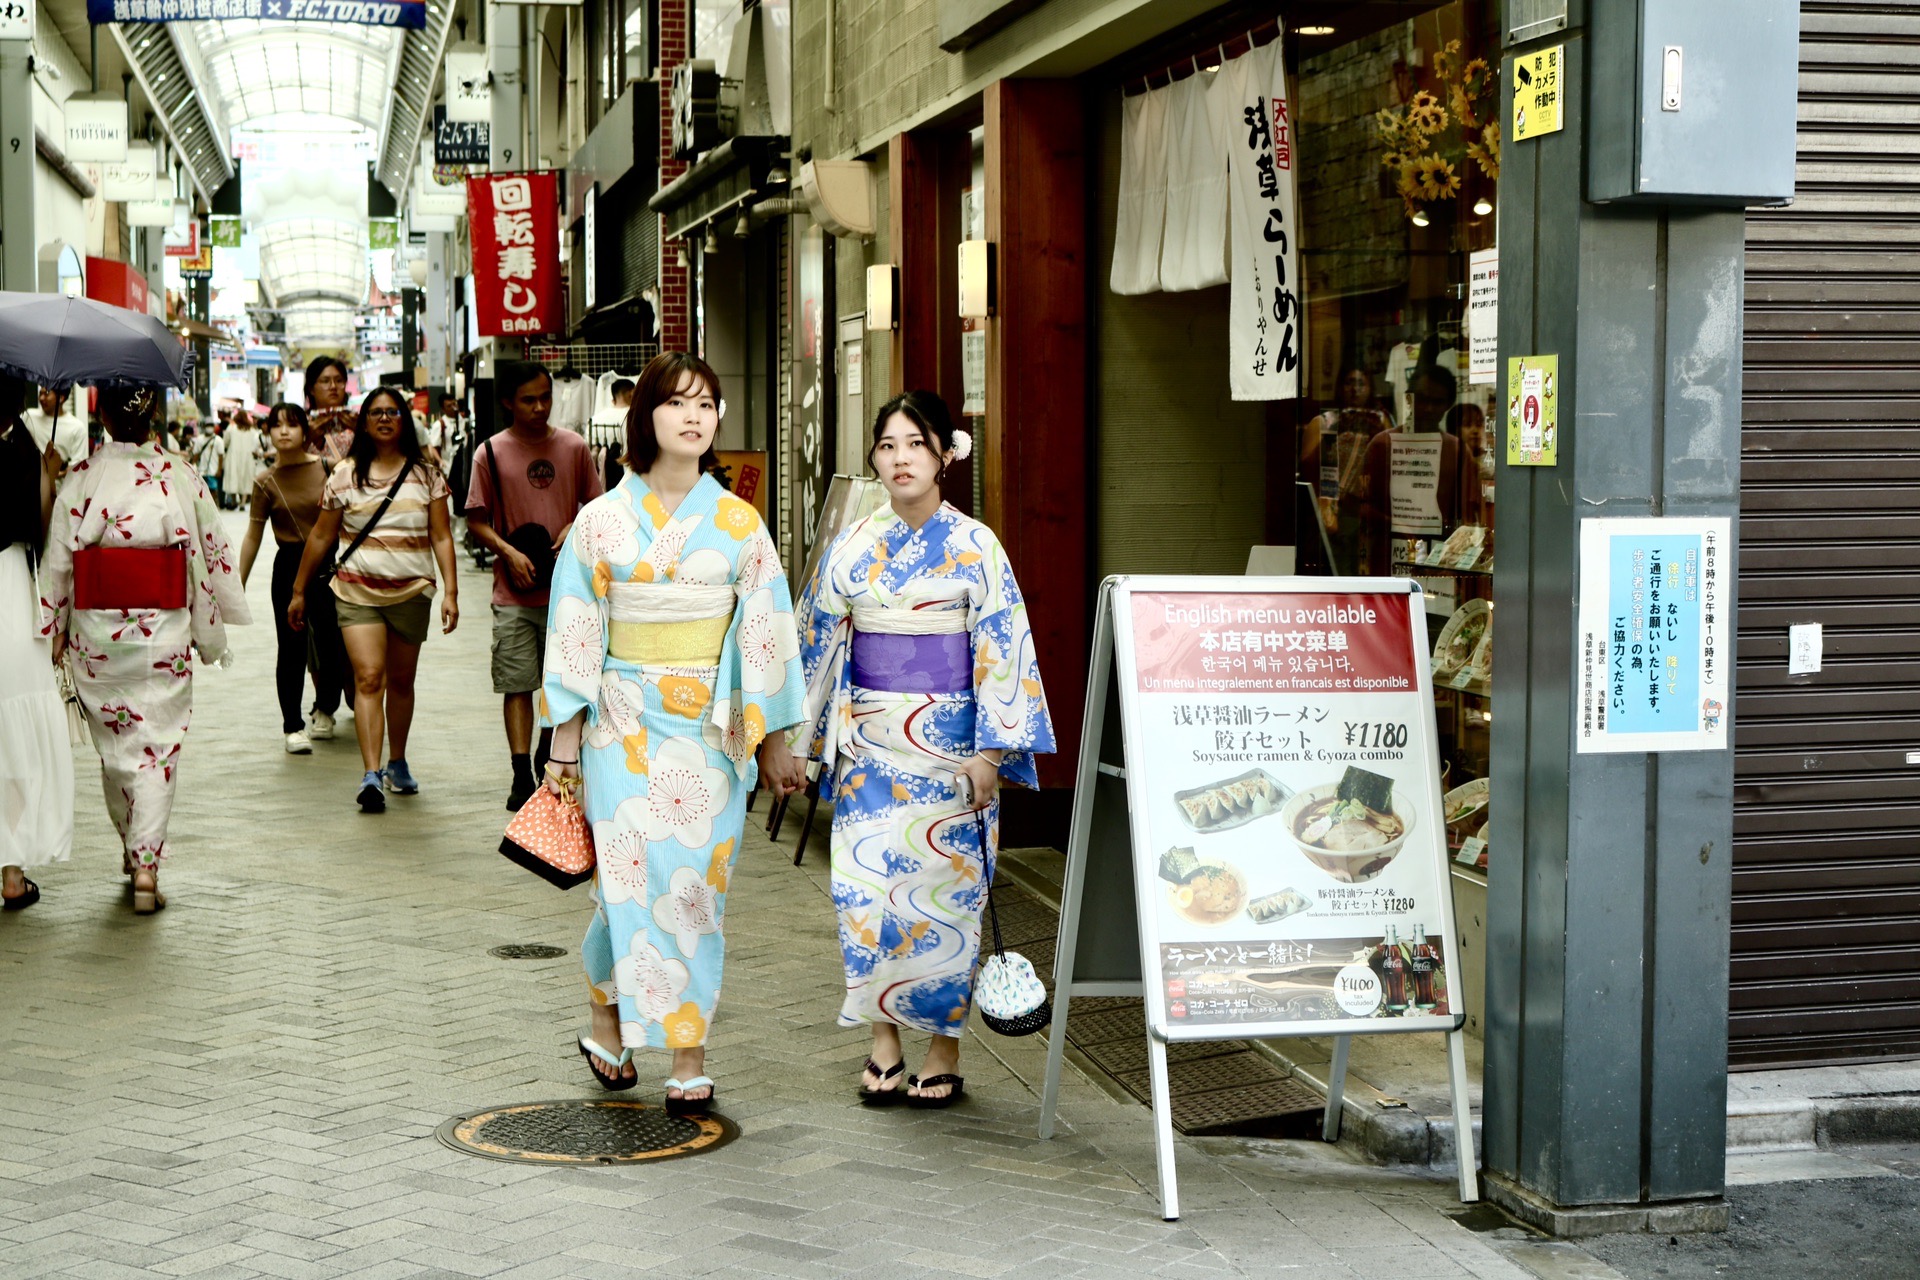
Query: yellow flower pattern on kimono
684, 695
685, 1027
720, 870
738, 519
666, 753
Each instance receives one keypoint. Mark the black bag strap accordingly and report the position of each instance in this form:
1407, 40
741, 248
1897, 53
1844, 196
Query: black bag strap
385, 502
493, 490
993, 917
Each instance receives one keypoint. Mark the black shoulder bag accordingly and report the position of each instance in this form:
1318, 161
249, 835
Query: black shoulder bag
325, 575
530, 539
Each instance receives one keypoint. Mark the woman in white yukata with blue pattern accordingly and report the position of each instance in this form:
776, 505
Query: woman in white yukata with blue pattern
671, 656
920, 670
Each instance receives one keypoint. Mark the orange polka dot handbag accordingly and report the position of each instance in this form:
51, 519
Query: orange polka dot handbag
550, 836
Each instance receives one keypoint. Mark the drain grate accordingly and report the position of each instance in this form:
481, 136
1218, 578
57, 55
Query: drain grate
583, 1132
527, 951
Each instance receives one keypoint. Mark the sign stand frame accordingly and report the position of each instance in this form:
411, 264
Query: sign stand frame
1067, 984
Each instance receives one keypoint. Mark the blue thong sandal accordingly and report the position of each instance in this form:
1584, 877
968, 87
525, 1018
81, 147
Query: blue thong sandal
691, 1106
595, 1055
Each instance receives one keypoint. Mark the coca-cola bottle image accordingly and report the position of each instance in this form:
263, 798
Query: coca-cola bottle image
1393, 974
1424, 961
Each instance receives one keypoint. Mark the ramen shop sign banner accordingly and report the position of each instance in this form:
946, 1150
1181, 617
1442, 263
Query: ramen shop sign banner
1267, 330
1287, 834
515, 221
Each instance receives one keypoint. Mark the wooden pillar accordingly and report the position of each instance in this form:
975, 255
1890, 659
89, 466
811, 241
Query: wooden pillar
926, 170
1037, 477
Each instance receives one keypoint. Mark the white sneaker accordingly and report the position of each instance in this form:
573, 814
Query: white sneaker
298, 744
321, 727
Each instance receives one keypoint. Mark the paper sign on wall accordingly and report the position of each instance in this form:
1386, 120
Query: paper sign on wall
1533, 411
1414, 481
1538, 92
1483, 316
1654, 660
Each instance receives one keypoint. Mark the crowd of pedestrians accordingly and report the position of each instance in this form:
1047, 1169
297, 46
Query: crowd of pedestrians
651, 659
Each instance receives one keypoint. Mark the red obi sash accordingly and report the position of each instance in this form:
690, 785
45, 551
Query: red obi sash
130, 578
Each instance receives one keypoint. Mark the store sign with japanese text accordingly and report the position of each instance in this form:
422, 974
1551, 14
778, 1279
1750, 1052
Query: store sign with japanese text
363, 13
1655, 663
1289, 853
515, 221
1268, 330
460, 141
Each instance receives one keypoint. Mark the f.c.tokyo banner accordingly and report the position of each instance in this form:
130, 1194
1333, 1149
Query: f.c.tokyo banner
515, 221
365, 13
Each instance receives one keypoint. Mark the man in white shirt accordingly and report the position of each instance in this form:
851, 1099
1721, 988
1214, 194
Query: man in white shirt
52, 424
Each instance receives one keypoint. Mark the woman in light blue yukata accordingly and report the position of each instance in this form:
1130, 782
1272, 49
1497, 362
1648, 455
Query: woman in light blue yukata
671, 656
922, 688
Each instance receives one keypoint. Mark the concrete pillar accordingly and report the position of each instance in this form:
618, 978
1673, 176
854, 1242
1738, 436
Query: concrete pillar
439, 293
506, 60
1609, 899
19, 240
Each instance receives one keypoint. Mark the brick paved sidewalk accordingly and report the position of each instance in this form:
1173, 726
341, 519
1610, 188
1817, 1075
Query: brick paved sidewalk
248, 1083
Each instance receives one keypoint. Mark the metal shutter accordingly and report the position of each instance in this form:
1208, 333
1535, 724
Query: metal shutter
1826, 910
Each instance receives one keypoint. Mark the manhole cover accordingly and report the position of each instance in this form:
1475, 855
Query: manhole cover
577, 1132
527, 951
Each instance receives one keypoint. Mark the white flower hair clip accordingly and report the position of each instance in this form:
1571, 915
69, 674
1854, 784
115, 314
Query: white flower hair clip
962, 445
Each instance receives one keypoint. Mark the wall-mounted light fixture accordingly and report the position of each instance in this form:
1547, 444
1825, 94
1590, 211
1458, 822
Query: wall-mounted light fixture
883, 297
1482, 207
978, 299
1420, 218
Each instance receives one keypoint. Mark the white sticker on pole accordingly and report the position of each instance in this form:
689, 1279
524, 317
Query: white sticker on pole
1804, 648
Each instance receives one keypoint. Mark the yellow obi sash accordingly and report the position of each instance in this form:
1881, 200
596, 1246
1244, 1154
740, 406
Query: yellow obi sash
668, 624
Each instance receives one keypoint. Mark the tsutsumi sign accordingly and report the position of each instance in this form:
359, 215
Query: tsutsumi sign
96, 129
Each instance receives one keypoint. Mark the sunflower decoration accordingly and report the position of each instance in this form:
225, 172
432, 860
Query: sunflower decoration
1486, 152
1418, 142
1435, 178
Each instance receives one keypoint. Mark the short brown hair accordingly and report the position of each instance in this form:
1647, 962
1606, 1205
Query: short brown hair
662, 377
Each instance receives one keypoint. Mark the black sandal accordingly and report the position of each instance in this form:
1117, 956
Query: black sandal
882, 1097
595, 1055
935, 1104
25, 900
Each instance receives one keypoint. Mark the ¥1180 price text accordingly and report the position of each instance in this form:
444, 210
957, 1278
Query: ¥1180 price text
1369, 734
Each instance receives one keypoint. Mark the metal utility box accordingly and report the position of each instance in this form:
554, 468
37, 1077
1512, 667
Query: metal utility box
1692, 101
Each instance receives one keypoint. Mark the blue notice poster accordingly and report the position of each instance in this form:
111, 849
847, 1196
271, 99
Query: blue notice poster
1654, 662
365, 13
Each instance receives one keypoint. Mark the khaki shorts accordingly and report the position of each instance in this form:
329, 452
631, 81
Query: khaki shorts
410, 619
519, 647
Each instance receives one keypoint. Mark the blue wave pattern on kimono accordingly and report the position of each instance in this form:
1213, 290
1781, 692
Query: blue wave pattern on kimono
911, 865
668, 753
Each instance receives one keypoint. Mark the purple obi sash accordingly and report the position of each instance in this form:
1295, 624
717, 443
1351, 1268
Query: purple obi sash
913, 664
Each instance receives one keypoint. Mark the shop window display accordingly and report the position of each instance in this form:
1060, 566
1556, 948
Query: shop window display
1399, 144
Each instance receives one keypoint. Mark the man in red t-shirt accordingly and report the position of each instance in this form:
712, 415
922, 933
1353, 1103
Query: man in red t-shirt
529, 481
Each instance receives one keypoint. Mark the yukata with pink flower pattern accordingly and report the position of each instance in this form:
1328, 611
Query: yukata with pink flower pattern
675, 634
133, 669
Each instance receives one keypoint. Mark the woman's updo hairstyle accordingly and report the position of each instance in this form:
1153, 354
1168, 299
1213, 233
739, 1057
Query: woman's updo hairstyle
128, 412
927, 411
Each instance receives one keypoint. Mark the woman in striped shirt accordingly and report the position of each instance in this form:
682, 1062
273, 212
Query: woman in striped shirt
384, 585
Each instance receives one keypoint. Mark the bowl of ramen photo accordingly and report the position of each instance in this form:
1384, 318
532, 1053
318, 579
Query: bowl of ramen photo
1350, 829
1203, 890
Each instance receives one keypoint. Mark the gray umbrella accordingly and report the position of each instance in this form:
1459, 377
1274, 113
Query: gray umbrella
57, 341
